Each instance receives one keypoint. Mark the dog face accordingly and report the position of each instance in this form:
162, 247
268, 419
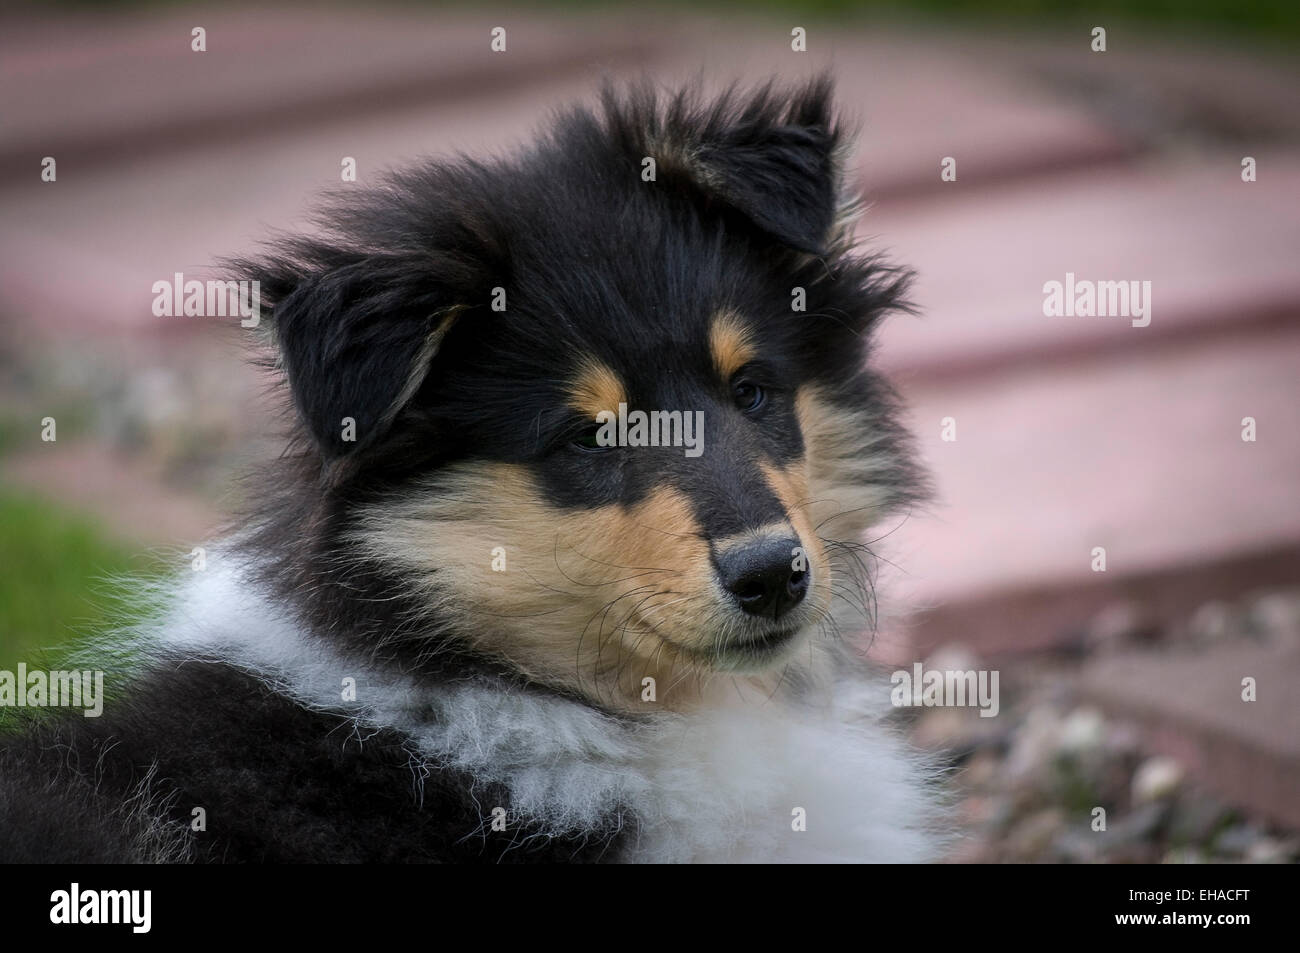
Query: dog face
599, 413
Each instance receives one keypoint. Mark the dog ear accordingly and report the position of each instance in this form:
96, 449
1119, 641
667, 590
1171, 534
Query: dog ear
772, 159
356, 342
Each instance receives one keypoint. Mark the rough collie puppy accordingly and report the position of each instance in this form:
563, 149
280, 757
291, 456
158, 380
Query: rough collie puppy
568, 561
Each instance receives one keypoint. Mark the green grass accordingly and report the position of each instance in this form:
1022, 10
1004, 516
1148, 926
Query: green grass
1271, 20
55, 572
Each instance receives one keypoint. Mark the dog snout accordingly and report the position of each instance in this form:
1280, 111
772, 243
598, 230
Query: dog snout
762, 576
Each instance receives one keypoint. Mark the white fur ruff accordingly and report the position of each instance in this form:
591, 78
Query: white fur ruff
717, 785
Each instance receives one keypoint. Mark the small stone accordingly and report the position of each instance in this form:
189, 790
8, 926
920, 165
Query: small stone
1120, 625
952, 657
1137, 827
1275, 616
1035, 833
1074, 847
1196, 819
1083, 730
1035, 744
1215, 622
1156, 779
1269, 850
1237, 839
1123, 738
1001, 813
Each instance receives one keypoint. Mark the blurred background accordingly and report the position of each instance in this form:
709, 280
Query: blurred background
1120, 689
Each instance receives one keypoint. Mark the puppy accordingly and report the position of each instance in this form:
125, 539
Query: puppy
567, 558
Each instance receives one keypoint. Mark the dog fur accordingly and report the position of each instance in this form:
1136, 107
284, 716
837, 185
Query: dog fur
455, 628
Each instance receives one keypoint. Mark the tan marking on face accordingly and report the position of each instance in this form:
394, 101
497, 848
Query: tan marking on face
844, 463
790, 484
730, 343
595, 388
723, 544
591, 600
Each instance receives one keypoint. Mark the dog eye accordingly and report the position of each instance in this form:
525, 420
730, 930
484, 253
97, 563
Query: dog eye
587, 441
748, 396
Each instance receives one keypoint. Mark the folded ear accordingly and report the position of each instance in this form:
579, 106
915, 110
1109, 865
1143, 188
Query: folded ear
356, 341
771, 158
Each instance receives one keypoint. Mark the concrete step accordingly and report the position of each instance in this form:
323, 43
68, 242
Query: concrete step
1140, 454
82, 254
99, 89
1219, 253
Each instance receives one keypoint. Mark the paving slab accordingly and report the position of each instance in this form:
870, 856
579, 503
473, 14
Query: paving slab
1217, 251
85, 251
94, 88
1140, 453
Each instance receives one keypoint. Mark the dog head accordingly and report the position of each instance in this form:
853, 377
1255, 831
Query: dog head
598, 412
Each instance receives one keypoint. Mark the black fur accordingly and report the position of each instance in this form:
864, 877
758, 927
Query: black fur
276, 781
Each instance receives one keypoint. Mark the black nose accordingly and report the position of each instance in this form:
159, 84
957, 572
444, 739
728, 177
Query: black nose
762, 576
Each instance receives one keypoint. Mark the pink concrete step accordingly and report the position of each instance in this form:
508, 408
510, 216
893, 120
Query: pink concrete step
104, 89
97, 88
1217, 251
1140, 454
